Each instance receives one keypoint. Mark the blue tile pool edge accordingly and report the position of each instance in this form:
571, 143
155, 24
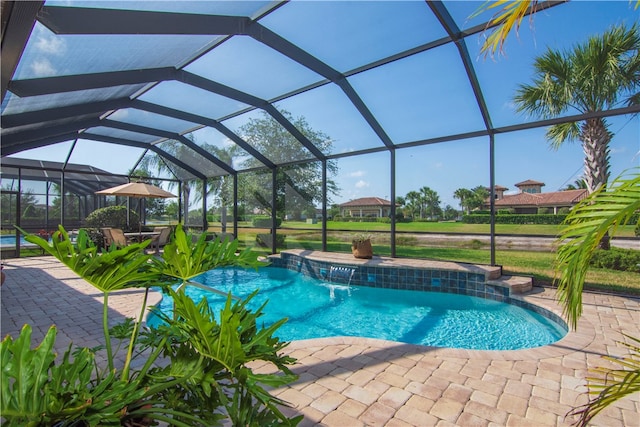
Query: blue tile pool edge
412, 278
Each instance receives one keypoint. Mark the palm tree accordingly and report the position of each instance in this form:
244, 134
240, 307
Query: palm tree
413, 202
479, 197
223, 185
578, 184
430, 200
188, 185
594, 217
595, 76
464, 195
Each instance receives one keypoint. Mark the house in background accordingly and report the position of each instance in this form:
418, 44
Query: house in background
531, 198
366, 207
530, 186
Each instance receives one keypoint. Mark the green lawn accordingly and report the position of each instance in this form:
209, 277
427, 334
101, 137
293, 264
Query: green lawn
442, 227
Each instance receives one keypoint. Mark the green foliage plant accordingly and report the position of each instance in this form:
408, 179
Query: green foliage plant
617, 259
264, 240
113, 216
502, 218
265, 222
601, 213
193, 370
595, 216
361, 237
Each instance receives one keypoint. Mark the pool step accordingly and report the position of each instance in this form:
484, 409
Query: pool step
516, 284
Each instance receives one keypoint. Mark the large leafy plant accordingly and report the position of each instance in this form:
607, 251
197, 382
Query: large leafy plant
600, 213
194, 369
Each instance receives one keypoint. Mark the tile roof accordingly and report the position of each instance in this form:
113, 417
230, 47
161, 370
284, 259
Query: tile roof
555, 198
367, 201
529, 182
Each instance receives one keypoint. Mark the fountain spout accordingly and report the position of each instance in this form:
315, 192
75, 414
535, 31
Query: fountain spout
344, 274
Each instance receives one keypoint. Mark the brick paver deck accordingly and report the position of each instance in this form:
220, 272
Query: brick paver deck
366, 382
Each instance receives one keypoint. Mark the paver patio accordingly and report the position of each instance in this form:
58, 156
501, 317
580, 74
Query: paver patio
366, 382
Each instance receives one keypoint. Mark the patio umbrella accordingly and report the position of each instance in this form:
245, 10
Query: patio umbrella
139, 190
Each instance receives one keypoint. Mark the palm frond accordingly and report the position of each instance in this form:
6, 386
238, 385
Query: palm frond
558, 134
611, 384
587, 223
503, 21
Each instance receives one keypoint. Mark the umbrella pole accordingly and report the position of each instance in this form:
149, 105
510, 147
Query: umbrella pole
140, 222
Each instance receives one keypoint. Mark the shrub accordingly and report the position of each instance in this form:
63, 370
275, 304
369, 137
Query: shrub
264, 240
564, 211
514, 219
96, 236
265, 222
406, 240
617, 259
509, 211
544, 211
113, 216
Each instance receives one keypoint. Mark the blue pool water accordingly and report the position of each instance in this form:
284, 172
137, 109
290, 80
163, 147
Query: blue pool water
10, 240
317, 309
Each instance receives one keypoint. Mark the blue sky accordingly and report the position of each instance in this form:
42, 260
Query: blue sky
519, 155
413, 99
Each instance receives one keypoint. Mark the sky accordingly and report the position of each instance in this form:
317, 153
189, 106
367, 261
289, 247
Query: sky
413, 99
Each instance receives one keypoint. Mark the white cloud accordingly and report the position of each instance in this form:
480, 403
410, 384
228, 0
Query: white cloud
51, 45
357, 174
362, 184
42, 68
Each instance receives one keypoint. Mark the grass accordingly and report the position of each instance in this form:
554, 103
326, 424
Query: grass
442, 227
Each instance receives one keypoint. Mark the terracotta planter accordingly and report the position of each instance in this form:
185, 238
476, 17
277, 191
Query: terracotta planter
362, 249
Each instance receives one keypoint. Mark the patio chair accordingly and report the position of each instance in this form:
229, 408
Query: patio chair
118, 237
106, 234
162, 239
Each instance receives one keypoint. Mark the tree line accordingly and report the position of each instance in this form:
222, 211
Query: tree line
425, 203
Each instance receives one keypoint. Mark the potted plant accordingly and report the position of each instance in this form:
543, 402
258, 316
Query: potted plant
193, 368
361, 246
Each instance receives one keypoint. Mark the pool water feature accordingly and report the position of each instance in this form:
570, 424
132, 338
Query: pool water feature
318, 309
337, 273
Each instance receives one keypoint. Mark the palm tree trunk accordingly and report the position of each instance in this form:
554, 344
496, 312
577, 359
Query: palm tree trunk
595, 143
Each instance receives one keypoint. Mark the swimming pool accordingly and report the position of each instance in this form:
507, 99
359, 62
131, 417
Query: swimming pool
10, 240
318, 309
